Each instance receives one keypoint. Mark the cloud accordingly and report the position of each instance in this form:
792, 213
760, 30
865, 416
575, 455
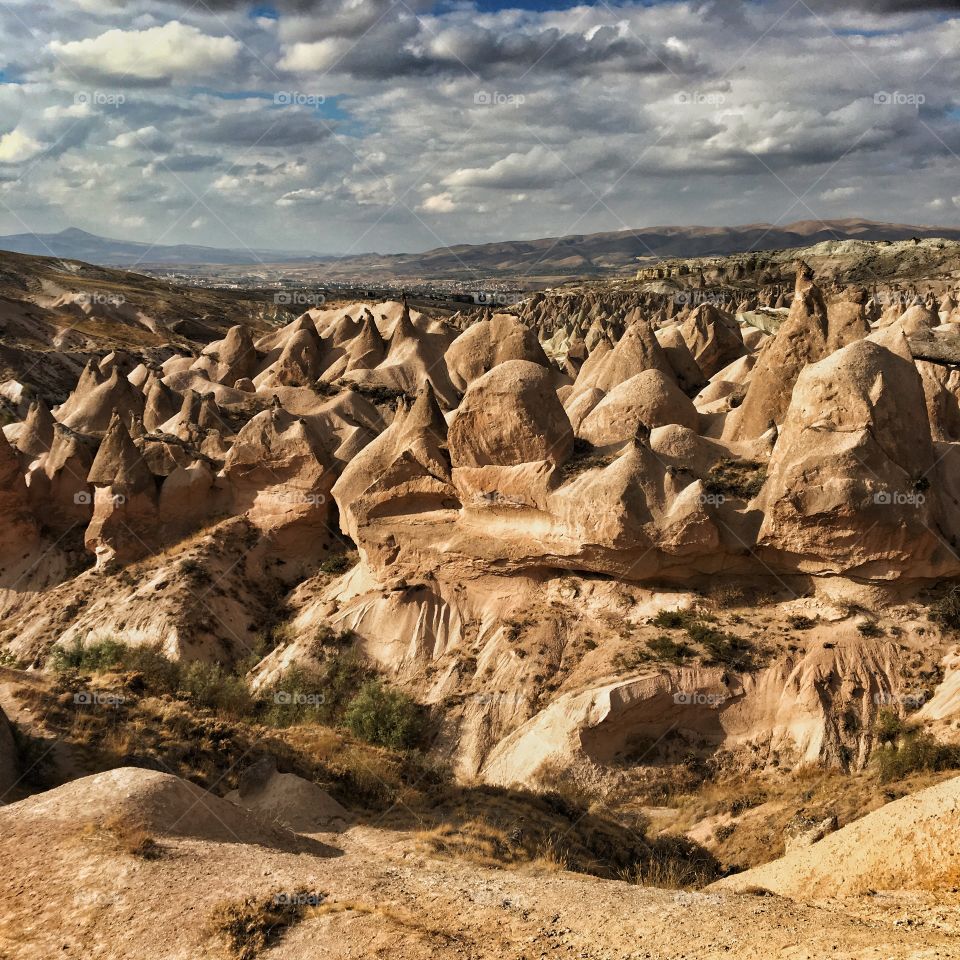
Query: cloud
580, 130
16, 147
839, 193
439, 203
173, 52
258, 124
399, 45
534, 170
182, 163
146, 138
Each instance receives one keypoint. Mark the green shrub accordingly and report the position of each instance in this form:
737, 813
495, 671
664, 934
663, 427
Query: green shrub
211, 687
915, 750
106, 654
10, 659
338, 563
888, 725
723, 648
161, 675
299, 696
674, 619
385, 717
666, 648
945, 610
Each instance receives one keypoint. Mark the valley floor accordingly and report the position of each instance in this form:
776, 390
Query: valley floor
63, 895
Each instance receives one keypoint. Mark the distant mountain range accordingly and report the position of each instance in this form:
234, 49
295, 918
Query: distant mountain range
74, 244
584, 254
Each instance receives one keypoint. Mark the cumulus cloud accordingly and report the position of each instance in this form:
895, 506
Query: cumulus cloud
16, 147
439, 203
451, 123
174, 51
537, 168
400, 45
146, 138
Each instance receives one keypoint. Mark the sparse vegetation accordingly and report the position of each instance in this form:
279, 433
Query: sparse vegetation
945, 609
723, 648
584, 457
94, 657
338, 563
674, 619
869, 629
799, 622
129, 837
378, 394
905, 748
738, 478
385, 717
727, 596
195, 571
719, 647
248, 927
675, 863
666, 648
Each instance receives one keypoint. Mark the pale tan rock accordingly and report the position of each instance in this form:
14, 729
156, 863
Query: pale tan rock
649, 399
90, 408
485, 344
845, 491
690, 378
713, 338
508, 416
801, 339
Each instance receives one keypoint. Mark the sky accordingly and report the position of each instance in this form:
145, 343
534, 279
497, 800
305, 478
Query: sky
354, 126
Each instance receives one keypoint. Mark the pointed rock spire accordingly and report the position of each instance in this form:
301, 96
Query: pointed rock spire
36, 436
118, 462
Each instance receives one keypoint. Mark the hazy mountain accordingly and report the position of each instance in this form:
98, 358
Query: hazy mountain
600, 253
75, 244
594, 253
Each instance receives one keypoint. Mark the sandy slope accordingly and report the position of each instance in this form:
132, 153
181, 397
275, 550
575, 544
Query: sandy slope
67, 889
912, 843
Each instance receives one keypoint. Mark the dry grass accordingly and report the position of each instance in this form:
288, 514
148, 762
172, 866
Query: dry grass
248, 927
126, 836
763, 805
